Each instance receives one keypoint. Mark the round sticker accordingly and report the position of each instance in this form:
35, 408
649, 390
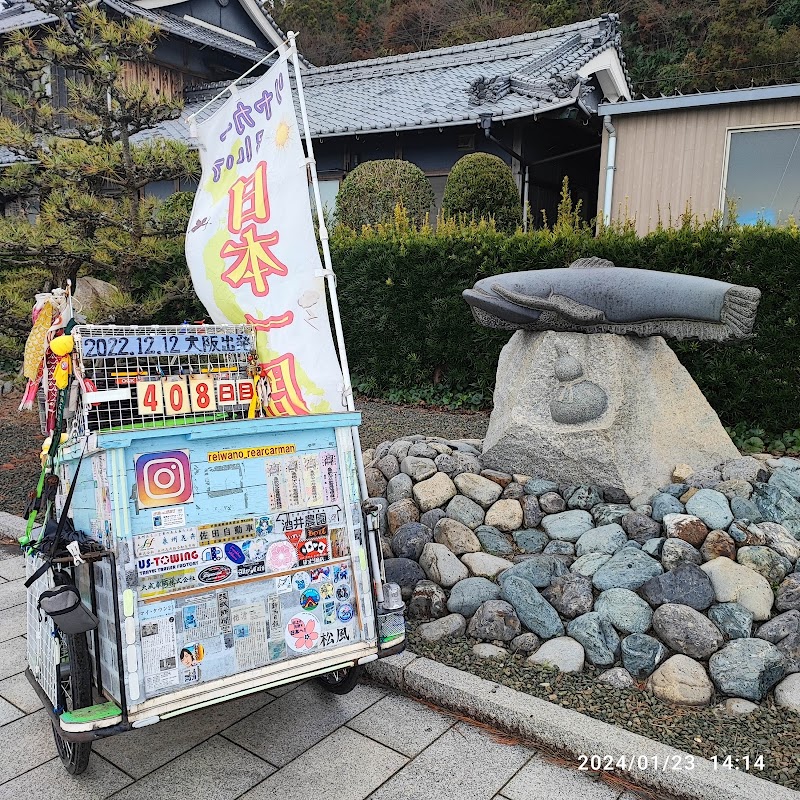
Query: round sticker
301, 581
326, 591
302, 633
309, 600
234, 553
281, 556
342, 593
215, 574
320, 574
255, 549
345, 612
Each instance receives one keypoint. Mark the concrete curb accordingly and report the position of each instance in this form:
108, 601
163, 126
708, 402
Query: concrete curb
569, 732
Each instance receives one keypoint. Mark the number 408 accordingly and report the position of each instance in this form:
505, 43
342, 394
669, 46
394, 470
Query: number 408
174, 396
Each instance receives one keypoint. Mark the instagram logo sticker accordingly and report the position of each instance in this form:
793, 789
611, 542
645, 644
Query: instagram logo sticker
163, 479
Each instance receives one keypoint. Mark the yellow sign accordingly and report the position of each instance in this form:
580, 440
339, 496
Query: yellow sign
251, 452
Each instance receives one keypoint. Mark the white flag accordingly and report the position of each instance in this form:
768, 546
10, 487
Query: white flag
251, 247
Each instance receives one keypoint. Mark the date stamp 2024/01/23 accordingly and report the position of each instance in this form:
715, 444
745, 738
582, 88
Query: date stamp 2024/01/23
674, 762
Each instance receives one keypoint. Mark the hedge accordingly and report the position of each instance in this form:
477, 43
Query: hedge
410, 334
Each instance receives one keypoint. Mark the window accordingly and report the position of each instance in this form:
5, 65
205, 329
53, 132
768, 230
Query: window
762, 174
328, 189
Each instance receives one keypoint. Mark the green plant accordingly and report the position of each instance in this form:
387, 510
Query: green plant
370, 194
481, 186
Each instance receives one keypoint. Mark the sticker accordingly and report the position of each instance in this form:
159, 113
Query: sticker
161, 541
221, 532
340, 546
312, 481
274, 614
326, 591
252, 452
215, 574
329, 612
283, 584
159, 643
224, 611
301, 581
251, 570
163, 479
320, 574
281, 556
313, 550
255, 549
294, 536
276, 650
212, 554
301, 632
294, 481
250, 635
169, 518
309, 599
191, 655
166, 562
168, 582
234, 553
342, 593
341, 572
265, 526
345, 612
276, 485
330, 475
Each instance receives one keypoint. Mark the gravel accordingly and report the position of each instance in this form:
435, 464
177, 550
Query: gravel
20, 445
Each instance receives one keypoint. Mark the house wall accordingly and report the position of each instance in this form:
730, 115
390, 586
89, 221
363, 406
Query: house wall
668, 159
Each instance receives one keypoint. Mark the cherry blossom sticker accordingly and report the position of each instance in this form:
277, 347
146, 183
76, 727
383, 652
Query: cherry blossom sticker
302, 632
281, 556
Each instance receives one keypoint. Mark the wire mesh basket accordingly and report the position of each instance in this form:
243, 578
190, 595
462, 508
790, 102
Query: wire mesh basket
141, 377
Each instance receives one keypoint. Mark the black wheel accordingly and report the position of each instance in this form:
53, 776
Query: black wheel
75, 681
341, 681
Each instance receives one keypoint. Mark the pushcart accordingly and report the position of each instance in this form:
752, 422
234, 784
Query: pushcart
222, 552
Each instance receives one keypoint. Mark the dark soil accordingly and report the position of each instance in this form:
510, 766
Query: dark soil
20, 444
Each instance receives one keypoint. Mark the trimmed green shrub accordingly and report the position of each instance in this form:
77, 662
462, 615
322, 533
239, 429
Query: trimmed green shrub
410, 335
372, 191
481, 185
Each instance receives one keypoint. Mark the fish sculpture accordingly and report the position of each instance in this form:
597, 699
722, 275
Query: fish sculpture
593, 295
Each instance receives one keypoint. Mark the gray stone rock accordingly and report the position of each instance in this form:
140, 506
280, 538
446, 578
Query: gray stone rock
430, 518
487, 651
484, 565
399, 488
422, 450
401, 512
505, 515
469, 594
610, 513
551, 503
428, 601
465, 511
456, 537
494, 542
410, 539
640, 528
643, 498
382, 449
539, 570
570, 595
686, 584
735, 488
494, 620
376, 483
599, 639
605, 539
513, 491
664, 504
405, 572
400, 449
676, 551
745, 468
641, 654
634, 545
686, 631
712, 507
445, 628
682, 681
788, 480
745, 509
389, 466
675, 489
747, 668
704, 479
780, 627
563, 653
790, 647
386, 547
539, 486
613, 494
481, 490
777, 505
434, 492
525, 644
765, 561
535, 613
447, 464
734, 583
787, 596
419, 469
626, 611
618, 677
556, 548
626, 569
441, 566
567, 526
466, 462
689, 528
589, 564
737, 707
585, 498
743, 532
717, 544
654, 547
532, 514
530, 541
787, 693
780, 540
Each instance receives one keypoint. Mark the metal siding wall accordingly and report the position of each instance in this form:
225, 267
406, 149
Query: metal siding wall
668, 159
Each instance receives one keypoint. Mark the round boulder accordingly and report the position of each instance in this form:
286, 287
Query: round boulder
747, 668
682, 681
734, 583
598, 637
676, 551
626, 611
734, 620
717, 544
685, 526
441, 565
570, 595
686, 584
494, 620
434, 492
456, 537
428, 601
505, 515
405, 572
468, 595
563, 653
465, 511
686, 631
478, 489
641, 654
712, 507
410, 539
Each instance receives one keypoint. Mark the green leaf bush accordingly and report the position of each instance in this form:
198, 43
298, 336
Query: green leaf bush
481, 186
370, 194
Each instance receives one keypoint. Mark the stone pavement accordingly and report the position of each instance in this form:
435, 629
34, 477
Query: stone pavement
291, 743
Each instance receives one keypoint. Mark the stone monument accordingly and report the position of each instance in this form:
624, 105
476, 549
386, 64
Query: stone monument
587, 389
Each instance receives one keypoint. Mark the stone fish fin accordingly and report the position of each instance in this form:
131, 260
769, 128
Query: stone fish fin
592, 262
559, 304
739, 310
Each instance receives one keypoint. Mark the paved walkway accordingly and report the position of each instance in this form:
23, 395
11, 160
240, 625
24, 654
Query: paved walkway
293, 743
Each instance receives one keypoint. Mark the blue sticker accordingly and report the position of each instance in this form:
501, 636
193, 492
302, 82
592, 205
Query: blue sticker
234, 553
301, 580
309, 600
345, 612
342, 592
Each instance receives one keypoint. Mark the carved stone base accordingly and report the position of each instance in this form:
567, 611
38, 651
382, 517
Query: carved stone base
654, 415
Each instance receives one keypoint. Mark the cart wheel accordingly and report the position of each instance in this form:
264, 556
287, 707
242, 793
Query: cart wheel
76, 692
341, 681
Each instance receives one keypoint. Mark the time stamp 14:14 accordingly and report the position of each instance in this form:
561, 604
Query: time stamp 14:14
655, 763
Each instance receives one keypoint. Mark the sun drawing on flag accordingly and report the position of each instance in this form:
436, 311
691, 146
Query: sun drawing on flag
282, 134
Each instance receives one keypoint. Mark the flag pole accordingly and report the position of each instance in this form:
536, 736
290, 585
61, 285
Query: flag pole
330, 278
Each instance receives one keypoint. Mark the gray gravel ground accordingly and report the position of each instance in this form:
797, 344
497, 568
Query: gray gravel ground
381, 422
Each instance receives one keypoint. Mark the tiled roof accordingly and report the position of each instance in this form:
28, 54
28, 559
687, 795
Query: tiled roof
513, 77
177, 26
16, 14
